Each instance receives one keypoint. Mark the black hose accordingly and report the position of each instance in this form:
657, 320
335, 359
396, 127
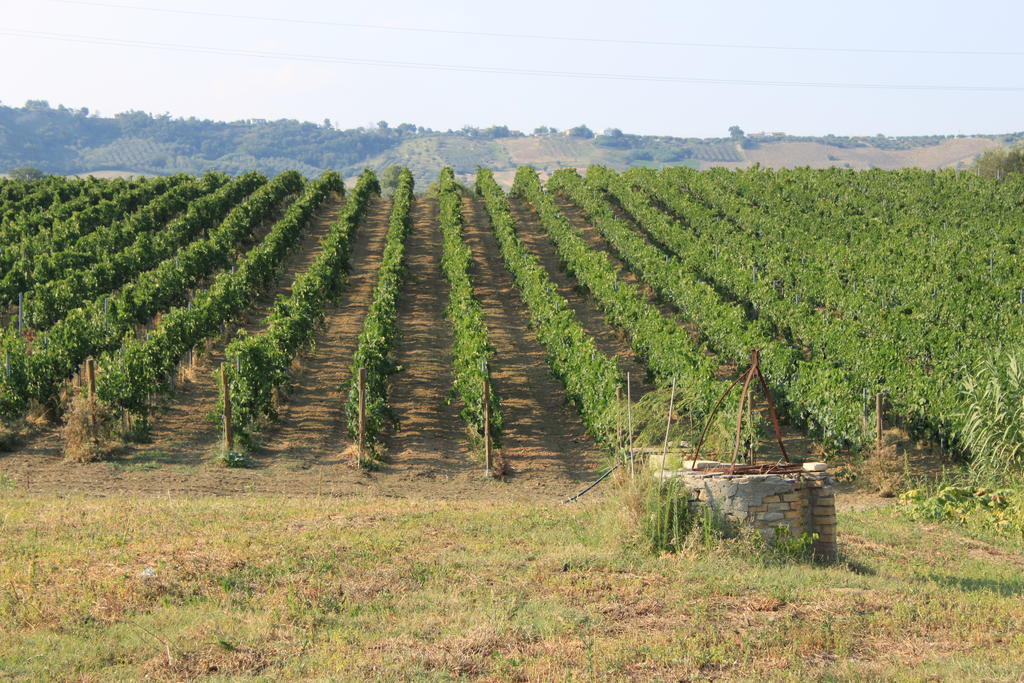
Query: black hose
599, 480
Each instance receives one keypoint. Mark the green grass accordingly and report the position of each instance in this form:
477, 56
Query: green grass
378, 588
152, 459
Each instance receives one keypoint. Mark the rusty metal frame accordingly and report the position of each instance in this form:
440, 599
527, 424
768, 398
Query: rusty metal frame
746, 377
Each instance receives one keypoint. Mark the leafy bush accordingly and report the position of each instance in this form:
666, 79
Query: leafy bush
1000, 510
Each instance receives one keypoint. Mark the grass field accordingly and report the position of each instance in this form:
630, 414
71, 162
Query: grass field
94, 588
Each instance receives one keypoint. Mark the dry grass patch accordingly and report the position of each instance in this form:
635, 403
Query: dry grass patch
88, 432
220, 660
376, 588
887, 470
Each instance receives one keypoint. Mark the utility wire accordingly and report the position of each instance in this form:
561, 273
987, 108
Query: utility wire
121, 42
533, 36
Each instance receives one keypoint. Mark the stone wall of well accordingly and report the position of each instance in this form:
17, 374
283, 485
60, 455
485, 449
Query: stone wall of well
802, 502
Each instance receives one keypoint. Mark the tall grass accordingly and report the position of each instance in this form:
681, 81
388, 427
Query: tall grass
993, 423
668, 519
661, 518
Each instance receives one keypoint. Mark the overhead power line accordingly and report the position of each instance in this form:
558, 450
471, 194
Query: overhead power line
536, 36
360, 61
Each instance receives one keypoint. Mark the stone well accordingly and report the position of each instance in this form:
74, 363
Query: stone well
803, 501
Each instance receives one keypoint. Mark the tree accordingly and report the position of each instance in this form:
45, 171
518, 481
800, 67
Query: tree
581, 131
25, 173
495, 132
997, 163
613, 137
738, 136
389, 178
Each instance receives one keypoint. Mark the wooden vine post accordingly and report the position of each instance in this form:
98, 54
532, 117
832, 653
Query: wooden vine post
362, 415
878, 422
487, 424
90, 373
668, 428
864, 413
229, 437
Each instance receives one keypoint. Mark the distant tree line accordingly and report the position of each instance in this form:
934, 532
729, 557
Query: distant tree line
997, 163
25, 173
51, 138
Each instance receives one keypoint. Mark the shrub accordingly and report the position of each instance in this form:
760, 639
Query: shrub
1000, 510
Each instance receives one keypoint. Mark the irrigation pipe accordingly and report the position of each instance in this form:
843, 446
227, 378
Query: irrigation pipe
599, 480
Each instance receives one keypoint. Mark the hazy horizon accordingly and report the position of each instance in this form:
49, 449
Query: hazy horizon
443, 66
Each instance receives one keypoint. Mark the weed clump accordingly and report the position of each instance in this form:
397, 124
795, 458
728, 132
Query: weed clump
11, 434
662, 517
88, 431
233, 458
887, 471
667, 517
983, 507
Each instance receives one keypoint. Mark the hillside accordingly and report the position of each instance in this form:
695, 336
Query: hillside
73, 141
949, 153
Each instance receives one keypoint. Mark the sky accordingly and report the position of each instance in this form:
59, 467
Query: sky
682, 68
